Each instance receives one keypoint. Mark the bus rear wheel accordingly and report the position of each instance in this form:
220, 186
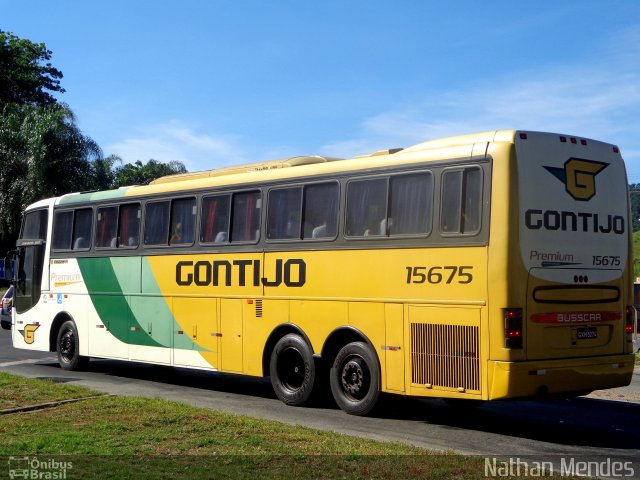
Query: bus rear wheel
292, 369
355, 379
68, 347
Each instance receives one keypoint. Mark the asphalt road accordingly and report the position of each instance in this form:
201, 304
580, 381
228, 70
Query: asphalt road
585, 428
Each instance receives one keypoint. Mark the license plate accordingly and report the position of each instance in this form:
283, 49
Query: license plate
584, 333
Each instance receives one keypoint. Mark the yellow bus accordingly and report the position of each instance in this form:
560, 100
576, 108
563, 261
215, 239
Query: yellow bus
479, 267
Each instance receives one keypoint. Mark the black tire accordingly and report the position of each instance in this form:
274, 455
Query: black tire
292, 369
68, 347
355, 379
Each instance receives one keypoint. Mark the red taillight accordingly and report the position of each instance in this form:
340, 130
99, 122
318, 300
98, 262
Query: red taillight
513, 328
630, 315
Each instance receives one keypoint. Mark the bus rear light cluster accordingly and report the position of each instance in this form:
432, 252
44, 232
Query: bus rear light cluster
513, 328
630, 315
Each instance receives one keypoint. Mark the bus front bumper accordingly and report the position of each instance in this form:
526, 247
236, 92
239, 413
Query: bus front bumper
566, 376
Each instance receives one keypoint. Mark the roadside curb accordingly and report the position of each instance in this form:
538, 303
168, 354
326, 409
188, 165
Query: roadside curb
43, 406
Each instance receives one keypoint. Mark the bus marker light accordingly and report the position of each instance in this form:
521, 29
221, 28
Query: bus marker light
616, 149
390, 348
180, 332
574, 140
538, 372
523, 136
214, 334
617, 365
513, 328
135, 329
563, 139
583, 141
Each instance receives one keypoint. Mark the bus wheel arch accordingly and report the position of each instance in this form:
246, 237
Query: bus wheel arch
355, 371
66, 342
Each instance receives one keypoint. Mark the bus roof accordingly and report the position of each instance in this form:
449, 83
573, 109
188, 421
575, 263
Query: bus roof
458, 147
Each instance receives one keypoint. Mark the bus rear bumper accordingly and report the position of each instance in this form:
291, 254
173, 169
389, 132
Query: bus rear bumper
566, 376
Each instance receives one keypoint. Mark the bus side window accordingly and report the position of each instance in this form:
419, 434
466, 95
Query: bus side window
411, 204
284, 213
461, 205
214, 225
156, 223
366, 207
62, 230
106, 227
129, 225
183, 221
82, 229
245, 225
320, 211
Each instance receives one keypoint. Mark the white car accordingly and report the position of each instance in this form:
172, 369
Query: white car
7, 305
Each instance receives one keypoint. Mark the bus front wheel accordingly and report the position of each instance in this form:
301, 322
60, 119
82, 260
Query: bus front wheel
68, 347
355, 379
292, 370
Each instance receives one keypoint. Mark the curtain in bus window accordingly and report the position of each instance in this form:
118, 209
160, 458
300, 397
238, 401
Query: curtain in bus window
183, 221
106, 227
82, 229
366, 207
156, 223
246, 217
284, 213
320, 210
410, 204
62, 229
214, 226
129, 226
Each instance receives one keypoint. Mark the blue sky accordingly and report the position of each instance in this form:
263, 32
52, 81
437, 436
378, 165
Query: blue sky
214, 83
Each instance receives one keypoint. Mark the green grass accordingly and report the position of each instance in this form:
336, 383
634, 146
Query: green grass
128, 437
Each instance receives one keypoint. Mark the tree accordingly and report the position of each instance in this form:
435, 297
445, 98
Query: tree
26, 75
139, 174
42, 154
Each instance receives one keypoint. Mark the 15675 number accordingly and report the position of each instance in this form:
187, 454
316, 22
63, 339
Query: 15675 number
445, 274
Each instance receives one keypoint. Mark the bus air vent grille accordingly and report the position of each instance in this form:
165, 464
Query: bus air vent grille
445, 356
258, 308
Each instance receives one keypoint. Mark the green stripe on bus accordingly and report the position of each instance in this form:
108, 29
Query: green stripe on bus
111, 305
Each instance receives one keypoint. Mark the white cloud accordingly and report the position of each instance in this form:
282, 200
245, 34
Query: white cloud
600, 100
175, 141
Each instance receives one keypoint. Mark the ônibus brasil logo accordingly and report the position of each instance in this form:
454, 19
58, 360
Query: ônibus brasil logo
579, 177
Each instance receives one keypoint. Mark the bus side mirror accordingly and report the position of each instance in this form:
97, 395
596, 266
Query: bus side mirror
8, 266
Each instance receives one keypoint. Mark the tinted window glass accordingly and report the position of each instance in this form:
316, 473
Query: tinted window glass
461, 207
411, 204
62, 230
366, 207
246, 217
214, 227
129, 225
156, 223
284, 213
106, 227
183, 221
320, 210
35, 225
82, 229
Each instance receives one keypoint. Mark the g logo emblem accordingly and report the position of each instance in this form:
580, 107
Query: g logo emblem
579, 177
29, 333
